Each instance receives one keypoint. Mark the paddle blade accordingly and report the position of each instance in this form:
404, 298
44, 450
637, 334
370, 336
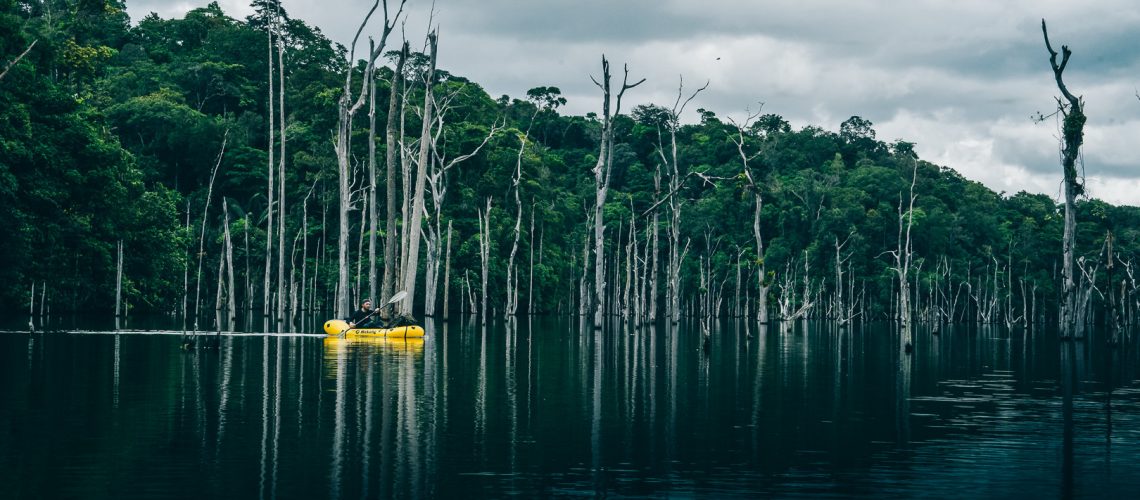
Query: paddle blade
397, 297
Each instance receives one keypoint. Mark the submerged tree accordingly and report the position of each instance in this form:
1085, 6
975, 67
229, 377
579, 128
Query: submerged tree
414, 224
347, 109
1072, 136
603, 170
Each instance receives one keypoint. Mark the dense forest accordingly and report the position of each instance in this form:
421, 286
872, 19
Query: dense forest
218, 154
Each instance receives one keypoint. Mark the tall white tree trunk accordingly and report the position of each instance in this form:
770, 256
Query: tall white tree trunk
903, 257
676, 254
202, 232
392, 147
412, 250
270, 189
373, 217
347, 108
1073, 124
447, 274
512, 280
118, 282
654, 266
530, 278
602, 171
762, 283
485, 255
231, 306
281, 295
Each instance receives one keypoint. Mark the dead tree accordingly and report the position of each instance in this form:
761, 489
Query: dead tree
447, 273
903, 256
1072, 136
583, 283
512, 279
347, 108
118, 283
281, 295
394, 110
653, 250
271, 188
231, 306
202, 232
373, 216
530, 269
437, 186
16, 61
602, 171
485, 255
845, 311
305, 246
412, 248
762, 284
1085, 290
676, 255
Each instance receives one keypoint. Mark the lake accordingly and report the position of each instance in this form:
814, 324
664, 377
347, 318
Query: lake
542, 408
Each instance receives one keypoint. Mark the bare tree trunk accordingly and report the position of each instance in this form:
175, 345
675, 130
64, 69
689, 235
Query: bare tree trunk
601, 184
845, 311
293, 306
433, 243
485, 255
530, 280
512, 288
202, 232
762, 283
394, 110
583, 288
903, 263
602, 171
356, 295
447, 273
654, 252
630, 246
16, 61
231, 306
118, 283
373, 217
412, 250
281, 295
218, 296
437, 186
270, 189
248, 271
470, 294
676, 256
736, 296
347, 109
305, 306
1113, 324
1073, 125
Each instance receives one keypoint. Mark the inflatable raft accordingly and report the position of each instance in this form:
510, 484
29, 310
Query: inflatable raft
340, 327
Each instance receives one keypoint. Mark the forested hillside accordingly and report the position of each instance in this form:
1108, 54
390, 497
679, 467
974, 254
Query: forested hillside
167, 135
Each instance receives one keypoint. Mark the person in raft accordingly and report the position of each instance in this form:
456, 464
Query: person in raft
363, 317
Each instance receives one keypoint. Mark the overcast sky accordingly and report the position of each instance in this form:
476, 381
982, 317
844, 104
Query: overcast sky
961, 79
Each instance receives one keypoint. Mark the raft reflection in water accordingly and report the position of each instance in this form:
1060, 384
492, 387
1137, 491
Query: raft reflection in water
395, 345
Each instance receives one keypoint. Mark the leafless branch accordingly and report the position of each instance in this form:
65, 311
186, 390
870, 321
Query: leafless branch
1059, 68
17, 59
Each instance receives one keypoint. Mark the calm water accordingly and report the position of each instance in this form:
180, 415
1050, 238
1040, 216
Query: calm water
544, 409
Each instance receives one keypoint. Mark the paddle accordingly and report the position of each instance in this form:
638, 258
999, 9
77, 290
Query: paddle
395, 298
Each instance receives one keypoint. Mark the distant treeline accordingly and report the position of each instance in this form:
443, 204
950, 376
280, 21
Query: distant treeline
111, 133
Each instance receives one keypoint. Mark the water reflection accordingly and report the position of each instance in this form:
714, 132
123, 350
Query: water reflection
539, 408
